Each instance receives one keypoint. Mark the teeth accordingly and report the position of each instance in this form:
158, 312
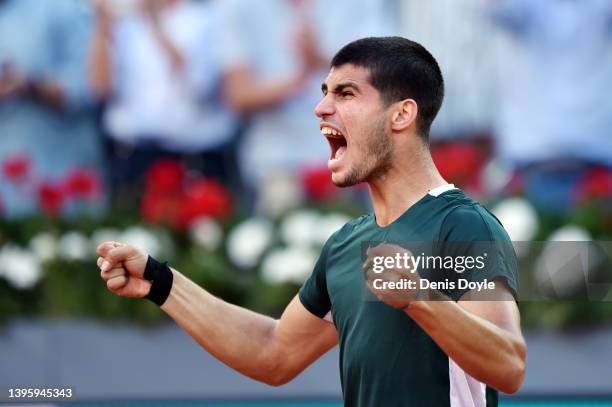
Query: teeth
330, 132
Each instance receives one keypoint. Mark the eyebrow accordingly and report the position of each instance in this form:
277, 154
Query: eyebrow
339, 87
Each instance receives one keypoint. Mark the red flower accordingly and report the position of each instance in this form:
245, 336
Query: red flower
50, 198
596, 184
459, 163
156, 208
165, 177
16, 168
203, 197
317, 183
83, 183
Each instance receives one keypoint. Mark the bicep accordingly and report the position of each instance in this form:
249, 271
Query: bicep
496, 306
303, 337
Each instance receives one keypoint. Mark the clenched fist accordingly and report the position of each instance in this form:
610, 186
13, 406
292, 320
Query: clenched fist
390, 274
122, 267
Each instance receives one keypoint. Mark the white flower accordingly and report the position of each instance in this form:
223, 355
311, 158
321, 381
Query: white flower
142, 239
104, 235
247, 241
206, 233
300, 228
20, 267
292, 264
328, 225
518, 217
520, 221
75, 246
570, 233
560, 270
279, 194
44, 245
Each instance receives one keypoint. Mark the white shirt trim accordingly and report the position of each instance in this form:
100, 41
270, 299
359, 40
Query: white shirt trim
465, 391
437, 191
328, 318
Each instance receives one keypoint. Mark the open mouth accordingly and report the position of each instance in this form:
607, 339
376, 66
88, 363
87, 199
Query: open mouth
337, 142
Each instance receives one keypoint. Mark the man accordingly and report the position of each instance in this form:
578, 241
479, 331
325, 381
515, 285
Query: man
380, 98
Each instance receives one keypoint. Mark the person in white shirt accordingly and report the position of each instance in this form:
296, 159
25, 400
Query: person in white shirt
157, 67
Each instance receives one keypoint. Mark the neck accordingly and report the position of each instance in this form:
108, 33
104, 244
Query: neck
403, 185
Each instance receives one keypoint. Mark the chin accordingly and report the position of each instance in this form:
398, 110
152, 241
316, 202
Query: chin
339, 180
342, 180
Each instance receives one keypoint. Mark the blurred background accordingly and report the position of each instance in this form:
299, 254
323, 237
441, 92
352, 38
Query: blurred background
187, 128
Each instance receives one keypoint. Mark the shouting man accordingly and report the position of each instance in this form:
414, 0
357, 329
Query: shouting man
426, 346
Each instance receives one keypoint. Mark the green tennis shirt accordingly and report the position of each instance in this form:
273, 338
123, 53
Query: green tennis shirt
386, 359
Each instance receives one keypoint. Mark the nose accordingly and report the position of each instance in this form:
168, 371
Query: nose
325, 107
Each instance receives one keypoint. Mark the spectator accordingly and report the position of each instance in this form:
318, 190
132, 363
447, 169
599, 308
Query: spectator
275, 59
45, 114
555, 122
157, 68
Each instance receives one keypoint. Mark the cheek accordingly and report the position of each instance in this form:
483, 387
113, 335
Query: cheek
359, 122
355, 126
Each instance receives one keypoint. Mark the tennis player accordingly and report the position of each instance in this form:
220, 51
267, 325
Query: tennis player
379, 100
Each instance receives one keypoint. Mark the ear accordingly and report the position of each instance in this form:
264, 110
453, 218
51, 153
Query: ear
404, 114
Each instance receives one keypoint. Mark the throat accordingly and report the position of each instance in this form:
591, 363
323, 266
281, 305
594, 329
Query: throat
392, 197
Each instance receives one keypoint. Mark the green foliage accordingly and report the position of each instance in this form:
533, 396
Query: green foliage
73, 288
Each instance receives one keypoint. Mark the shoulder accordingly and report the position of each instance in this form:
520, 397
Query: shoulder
353, 226
467, 219
347, 233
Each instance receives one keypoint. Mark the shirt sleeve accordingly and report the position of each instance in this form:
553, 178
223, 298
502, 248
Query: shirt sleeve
313, 294
473, 233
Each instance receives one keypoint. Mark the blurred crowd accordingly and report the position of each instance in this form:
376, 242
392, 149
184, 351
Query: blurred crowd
102, 101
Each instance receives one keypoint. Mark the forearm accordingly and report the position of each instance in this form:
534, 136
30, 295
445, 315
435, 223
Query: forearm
247, 94
173, 54
485, 351
258, 346
49, 93
242, 339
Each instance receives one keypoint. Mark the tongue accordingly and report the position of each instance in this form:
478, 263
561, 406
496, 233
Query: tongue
340, 152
